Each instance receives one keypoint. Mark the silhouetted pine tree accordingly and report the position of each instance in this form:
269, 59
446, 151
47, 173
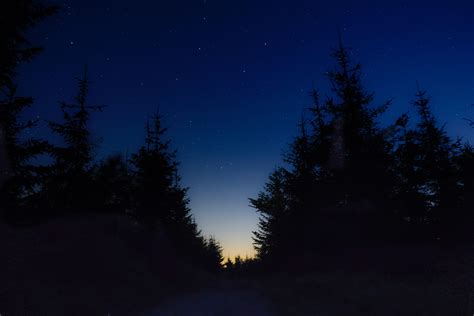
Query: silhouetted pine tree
159, 202
156, 178
17, 150
429, 185
293, 196
271, 238
214, 253
363, 174
306, 179
21, 190
70, 179
408, 197
16, 18
243, 267
320, 137
238, 263
343, 160
229, 265
302, 172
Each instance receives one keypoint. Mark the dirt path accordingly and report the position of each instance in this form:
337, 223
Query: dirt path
216, 302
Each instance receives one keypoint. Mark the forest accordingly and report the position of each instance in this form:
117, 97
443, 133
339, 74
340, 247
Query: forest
351, 194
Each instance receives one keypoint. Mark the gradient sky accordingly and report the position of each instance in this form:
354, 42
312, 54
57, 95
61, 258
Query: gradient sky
232, 78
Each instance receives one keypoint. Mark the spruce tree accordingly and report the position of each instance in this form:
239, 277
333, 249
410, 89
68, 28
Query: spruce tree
341, 159
229, 264
364, 176
22, 176
70, 180
16, 18
409, 199
271, 238
159, 202
306, 179
214, 254
238, 263
156, 180
429, 184
17, 150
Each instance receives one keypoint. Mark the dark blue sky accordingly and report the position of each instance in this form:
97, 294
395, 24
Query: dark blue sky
232, 77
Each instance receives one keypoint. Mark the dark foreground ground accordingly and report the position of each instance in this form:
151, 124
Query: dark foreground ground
89, 266
446, 288
106, 267
409, 286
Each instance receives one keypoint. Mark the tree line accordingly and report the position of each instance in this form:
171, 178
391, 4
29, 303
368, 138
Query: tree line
348, 181
41, 179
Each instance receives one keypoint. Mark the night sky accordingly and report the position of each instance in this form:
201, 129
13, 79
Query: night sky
232, 78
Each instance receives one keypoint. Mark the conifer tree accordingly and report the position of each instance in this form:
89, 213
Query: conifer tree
301, 175
159, 202
214, 253
156, 180
21, 189
16, 18
306, 179
320, 136
365, 149
273, 206
343, 159
229, 265
70, 178
409, 198
17, 150
429, 183
238, 263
